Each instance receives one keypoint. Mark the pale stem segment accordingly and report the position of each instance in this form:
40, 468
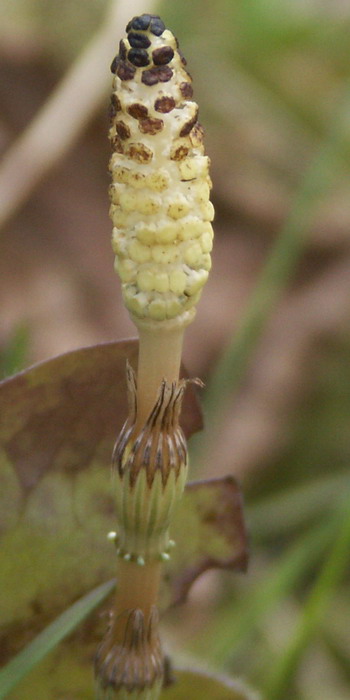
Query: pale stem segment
137, 587
160, 352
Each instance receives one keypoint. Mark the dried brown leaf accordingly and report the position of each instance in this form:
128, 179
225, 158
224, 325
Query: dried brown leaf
209, 532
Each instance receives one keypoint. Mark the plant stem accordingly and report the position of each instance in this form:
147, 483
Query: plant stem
159, 358
160, 353
137, 587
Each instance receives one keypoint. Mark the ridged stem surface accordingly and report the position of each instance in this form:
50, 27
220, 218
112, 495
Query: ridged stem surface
159, 358
137, 587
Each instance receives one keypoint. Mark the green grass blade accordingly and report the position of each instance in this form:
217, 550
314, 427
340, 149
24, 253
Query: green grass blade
236, 624
277, 272
314, 611
34, 652
283, 512
275, 277
13, 357
339, 655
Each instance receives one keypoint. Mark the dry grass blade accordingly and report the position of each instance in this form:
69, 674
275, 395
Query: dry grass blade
57, 125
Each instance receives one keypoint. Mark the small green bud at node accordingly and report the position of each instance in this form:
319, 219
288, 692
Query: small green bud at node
164, 556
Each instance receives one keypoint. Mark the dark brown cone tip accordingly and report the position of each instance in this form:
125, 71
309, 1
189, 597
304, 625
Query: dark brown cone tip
140, 52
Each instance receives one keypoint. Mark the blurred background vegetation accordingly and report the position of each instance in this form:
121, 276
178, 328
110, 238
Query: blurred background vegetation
272, 81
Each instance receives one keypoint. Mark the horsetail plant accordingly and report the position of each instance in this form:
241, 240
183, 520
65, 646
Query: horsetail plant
162, 238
